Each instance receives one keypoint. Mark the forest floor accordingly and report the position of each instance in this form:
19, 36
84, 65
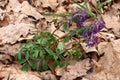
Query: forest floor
21, 19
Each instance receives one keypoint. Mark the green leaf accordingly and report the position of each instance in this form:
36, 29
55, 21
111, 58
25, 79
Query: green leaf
76, 53
66, 39
22, 46
39, 41
60, 45
38, 65
25, 67
65, 27
29, 44
19, 56
55, 63
100, 9
72, 32
107, 1
27, 55
50, 52
44, 65
21, 61
61, 57
44, 42
35, 54
62, 64
97, 48
33, 65
57, 15
50, 39
34, 58
58, 51
42, 53
49, 57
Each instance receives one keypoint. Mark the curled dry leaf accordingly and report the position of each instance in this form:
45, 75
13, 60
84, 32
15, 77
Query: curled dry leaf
29, 37
72, 8
112, 19
111, 58
116, 45
69, 44
16, 73
47, 3
107, 36
25, 76
9, 49
11, 33
52, 28
5, 21
109, 62
92, 4
2, 15
27, 9
60, 9
47, 75
73, 71
6, 59
88, 49
24, 8
3, 3
13, 5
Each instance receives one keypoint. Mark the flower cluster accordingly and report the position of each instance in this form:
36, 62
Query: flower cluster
90, 31
79, 17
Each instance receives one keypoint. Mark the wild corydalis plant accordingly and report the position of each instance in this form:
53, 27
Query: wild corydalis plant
91, 30
44, 52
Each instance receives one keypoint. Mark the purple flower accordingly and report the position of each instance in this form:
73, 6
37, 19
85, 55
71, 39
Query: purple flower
79, 17
94, 28
98, 25
93, 40
87, 32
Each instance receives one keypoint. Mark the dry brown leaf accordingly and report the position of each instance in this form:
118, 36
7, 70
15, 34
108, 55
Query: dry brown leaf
6, 59
13, 5
27, 9
59, 71
110, 62
24, 8
47, 75
88, 49
9, 49
60, 9
16, 73
26, 38
5, 21
73, 7
92, 4
78, 69
52, 28
47, 3
3, 3
112, 22
106, 35
111, 58
69, 44
112, 19
25, 76
11, 33
116, 45
2, 14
